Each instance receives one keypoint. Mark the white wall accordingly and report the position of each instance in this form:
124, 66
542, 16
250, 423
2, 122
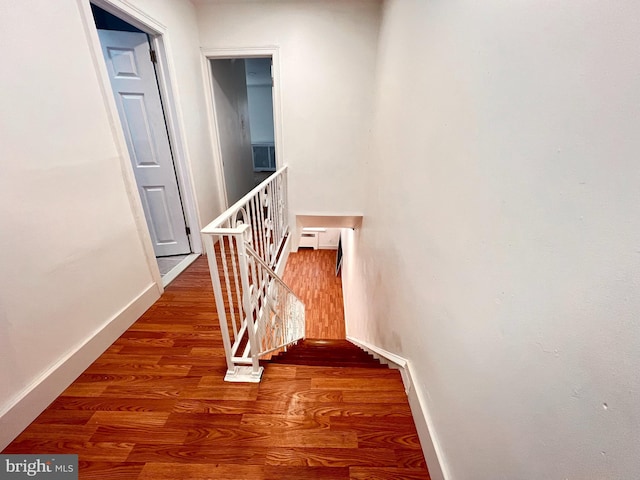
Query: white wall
329, 238
499, 248
72, 258
75, 274
327, 53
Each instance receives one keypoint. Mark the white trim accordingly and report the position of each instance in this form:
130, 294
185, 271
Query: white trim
391, 359
175, 129
421, 417
424, 425
172, 274
243, 375
173, 118
272, 51
135, 16
213, 130
116, 129
34, 398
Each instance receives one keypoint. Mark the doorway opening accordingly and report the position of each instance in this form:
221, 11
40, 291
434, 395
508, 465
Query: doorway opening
132, 62
313, 273
243, 91
316, 263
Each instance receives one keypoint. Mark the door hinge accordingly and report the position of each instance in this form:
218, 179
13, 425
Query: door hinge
152, 54
188, 230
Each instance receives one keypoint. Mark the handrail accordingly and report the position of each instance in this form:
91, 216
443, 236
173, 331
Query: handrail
213, 226
279, 313
244, 293
256, 256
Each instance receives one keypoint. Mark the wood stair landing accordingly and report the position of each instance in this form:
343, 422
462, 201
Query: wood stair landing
326, 353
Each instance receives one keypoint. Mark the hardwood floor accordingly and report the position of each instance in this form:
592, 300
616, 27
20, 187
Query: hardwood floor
311, 276
154, 406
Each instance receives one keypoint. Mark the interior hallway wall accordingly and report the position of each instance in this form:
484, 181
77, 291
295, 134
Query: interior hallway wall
72, 258
74, 268
327, 62
505, 266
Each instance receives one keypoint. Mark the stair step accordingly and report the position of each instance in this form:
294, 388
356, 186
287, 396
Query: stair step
331, 353
326, 363
322, 351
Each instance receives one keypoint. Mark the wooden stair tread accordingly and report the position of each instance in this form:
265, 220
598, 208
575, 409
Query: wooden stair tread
320, 352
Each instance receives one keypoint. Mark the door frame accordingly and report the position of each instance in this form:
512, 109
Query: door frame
165, 73
207, 74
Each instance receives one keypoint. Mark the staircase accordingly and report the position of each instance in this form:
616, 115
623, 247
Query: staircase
326, 353
247, 247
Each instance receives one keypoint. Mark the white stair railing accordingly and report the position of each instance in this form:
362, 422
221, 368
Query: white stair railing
242, 244
279, 313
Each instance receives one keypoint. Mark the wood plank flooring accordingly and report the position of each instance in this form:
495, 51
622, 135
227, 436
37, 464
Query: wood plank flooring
311, 276
154, 406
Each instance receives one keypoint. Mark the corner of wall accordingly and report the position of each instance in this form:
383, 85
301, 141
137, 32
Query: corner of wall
52, 382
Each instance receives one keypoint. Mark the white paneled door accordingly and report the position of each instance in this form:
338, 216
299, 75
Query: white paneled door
134, 84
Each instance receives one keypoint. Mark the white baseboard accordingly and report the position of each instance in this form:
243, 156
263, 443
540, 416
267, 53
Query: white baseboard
424, 425
46, 388
388, 358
